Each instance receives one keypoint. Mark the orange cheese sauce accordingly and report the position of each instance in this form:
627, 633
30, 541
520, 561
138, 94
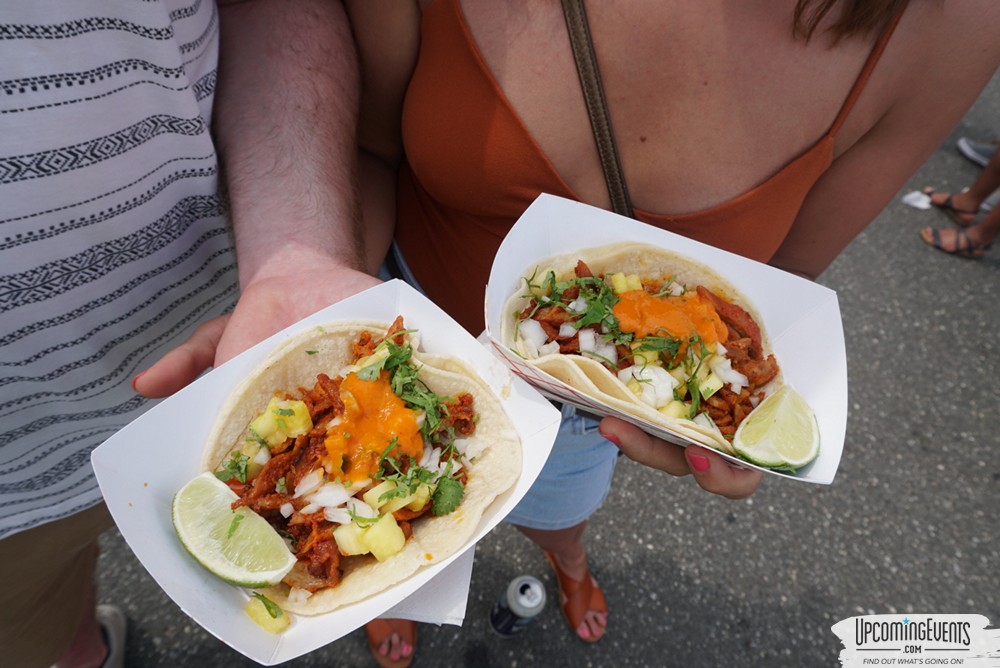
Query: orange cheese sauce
373, 415
680, 317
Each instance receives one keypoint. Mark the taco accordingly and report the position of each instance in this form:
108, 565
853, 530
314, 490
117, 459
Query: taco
647, 332
371, 462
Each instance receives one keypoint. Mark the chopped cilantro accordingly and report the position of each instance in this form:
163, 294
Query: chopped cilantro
280, 487
447, 496
284, 412
361, 520
254, 436
398, 355
235, 523
235, 467
269, 605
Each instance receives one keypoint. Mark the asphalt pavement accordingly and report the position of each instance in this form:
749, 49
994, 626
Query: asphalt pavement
909, 525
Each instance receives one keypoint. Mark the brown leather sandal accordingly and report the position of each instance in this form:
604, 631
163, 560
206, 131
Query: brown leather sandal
961, 217
577, 597
380, 630
963, 245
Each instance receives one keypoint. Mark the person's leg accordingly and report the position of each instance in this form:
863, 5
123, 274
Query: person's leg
970, 199
565, 547
974, 241
47, 602
392, 641
553, 514
87, 647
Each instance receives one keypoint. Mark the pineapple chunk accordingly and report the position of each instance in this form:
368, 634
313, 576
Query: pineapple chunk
618, 282
396, 502
675, 409
259, 613
421, 497
415, 500
380, 355
350, 539
646, 357
633, 282
281, 420
703, 369
384, 538
710, 385
634, 385
251, 448
371, 497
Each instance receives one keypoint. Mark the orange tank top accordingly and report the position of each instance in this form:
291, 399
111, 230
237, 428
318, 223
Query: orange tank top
472, 168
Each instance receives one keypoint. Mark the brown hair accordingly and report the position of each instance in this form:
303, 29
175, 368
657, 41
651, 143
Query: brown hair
858, 18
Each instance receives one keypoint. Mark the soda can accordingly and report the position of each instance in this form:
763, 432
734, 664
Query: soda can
518, 604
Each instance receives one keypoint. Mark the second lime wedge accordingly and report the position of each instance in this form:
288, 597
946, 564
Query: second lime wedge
780, 433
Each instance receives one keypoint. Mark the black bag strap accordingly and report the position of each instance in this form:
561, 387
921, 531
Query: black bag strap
597, 105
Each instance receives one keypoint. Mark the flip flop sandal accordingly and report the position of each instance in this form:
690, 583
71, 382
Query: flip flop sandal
577, 597
961, 217
380, 630
964, 245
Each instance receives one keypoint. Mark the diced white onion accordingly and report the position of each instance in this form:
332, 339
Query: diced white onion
337, 515
471, 448
722, 367
550, 348
531, 337
309, 483
330, 495
360, 508
286, 510
655, 384
334, 422
298, 595
310, 508
421, 416
566, 331
705, 421
589, 343
430, 458
262, 457
676, 289
578, 305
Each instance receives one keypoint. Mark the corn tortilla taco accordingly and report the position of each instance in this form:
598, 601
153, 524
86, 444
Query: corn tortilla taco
647, 332
360, 433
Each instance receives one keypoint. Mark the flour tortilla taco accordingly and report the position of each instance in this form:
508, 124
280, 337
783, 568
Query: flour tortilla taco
371, 462
647, 332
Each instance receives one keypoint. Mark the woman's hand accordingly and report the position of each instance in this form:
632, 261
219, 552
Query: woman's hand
265, 307
712, 471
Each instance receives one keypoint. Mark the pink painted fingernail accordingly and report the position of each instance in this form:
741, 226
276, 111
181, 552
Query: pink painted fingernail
698, 462
611, 437
137, 377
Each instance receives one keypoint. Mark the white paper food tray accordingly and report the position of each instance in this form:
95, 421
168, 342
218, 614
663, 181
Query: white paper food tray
141, 467
801, 318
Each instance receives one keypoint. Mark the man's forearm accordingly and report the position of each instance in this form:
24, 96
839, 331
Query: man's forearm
285, 122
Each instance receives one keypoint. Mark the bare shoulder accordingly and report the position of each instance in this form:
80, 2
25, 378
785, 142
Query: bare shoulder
946, 51
941, 56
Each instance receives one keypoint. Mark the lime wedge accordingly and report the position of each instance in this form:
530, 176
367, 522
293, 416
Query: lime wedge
780, 433
237, 545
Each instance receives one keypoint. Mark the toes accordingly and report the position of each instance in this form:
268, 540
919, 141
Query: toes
398, 648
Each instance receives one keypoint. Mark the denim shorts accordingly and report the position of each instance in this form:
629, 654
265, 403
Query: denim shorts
574, 481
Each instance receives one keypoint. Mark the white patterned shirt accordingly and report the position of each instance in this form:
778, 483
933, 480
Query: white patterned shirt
114, 242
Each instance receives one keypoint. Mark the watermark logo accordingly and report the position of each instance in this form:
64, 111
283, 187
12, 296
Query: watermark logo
919, 640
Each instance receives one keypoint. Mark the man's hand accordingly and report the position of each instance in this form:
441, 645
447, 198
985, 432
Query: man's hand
265, 307
710, 470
